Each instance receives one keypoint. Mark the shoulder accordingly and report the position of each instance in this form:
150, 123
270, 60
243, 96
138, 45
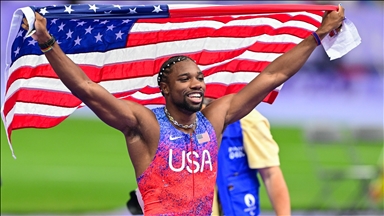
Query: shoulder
216, 112
144, 116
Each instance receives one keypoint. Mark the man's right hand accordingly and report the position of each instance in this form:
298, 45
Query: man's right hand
332, 20
41, 35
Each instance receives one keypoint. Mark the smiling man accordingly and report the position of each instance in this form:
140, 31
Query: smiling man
174, 149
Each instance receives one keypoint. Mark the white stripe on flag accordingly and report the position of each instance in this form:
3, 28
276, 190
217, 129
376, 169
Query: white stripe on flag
254, 22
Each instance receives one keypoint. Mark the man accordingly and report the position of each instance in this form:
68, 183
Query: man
174, 149
247, 148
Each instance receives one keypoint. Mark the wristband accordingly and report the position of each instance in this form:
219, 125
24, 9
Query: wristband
48, 45
47, 49
317, 38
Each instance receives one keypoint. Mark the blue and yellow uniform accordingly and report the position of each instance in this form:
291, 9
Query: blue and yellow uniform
247, 145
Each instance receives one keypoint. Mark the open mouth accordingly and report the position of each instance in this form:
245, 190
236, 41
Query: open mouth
196, 97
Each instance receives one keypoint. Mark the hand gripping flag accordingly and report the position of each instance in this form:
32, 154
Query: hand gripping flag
122, 47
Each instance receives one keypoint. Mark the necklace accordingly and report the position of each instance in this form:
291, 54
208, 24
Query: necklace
177, 123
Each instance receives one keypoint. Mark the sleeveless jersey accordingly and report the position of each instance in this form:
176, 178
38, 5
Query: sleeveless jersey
181, 177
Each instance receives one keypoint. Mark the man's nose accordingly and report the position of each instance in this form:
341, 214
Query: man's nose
196, 84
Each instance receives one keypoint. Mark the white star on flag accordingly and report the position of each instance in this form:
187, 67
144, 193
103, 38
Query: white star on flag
98, 37
132, 11
32, 42
157, 9
69, 34
88, 30
68, 9
119, 35
81, 23
111, 27
77, 41
43, 11
54, 21
20, 34
61, 27
93, 7
17, 51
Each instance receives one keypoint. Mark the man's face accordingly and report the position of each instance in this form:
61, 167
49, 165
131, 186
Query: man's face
186, 86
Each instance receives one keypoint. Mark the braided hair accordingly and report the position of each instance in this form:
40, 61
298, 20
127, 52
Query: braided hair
165, 68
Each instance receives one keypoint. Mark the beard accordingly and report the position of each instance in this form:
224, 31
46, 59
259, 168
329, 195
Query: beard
190, 107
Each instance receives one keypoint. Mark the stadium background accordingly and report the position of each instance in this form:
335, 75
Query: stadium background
82, 165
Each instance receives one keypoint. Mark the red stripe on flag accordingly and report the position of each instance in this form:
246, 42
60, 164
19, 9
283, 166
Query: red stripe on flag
35, 121
218, 90
41, 97
59, 99
154, 101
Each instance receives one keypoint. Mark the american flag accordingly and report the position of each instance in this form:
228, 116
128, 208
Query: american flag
202, 138
121, 47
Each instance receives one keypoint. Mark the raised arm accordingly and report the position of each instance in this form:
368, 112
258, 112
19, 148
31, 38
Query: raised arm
280, 70
116, 113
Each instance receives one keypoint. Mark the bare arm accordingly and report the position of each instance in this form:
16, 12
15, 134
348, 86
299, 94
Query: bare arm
116, 113
280, 70
277, 189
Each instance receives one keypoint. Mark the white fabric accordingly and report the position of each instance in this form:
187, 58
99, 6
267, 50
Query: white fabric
347, 39
139, 199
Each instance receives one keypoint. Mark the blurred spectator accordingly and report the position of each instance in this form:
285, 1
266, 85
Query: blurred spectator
247, 149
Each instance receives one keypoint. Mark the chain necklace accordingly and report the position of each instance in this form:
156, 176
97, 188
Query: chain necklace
177, 123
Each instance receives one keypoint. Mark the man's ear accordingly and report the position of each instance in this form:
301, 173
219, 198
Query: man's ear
164, 88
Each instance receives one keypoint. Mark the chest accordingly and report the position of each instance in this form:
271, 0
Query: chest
195, 152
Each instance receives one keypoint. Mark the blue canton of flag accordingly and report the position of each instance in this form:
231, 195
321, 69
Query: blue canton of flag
85, 28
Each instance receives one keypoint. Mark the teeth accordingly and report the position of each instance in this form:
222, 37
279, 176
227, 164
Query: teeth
195, 95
